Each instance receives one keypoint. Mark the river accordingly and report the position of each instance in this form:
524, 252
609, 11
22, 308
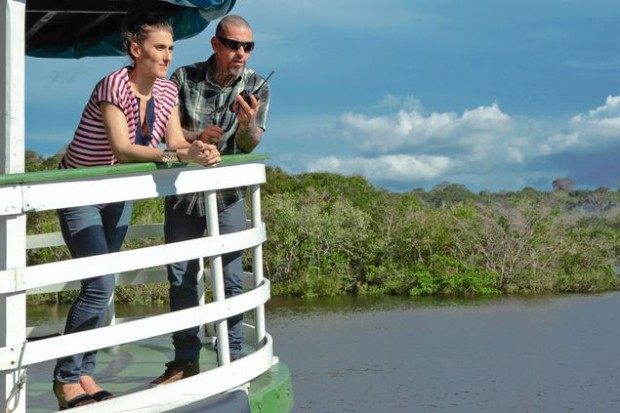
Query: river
407, 355
542, 354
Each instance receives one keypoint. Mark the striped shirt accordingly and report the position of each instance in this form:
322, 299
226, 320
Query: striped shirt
203, 102
90, 145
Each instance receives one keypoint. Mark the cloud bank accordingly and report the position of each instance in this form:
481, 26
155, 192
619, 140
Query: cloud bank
483, 148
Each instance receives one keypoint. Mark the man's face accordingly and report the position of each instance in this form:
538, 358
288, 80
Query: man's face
232, 48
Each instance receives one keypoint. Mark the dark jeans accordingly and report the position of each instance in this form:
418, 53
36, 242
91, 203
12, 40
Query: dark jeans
87, 231
182, 276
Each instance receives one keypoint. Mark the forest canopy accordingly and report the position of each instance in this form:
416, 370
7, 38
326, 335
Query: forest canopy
330, 234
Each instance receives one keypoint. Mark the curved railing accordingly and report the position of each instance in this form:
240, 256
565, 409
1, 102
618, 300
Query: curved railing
23, 193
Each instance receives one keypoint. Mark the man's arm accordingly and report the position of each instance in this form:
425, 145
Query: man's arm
197, 151
190, 136
248, 136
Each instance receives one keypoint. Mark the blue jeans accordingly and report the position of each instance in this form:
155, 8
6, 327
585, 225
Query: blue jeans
179, 226
87, 231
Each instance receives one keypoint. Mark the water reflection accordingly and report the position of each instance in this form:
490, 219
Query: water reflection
280, 306
283, 306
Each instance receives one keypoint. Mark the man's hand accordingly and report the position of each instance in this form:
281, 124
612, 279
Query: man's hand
246, 110
211, 134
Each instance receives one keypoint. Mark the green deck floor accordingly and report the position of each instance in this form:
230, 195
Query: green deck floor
130, 367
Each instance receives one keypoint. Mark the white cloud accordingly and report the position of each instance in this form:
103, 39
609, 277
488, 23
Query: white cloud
558, 143
400, 168
516, 149
409, 130
589, 131
611, 108
487, 118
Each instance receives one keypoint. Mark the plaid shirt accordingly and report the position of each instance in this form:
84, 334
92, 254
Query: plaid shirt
203, 102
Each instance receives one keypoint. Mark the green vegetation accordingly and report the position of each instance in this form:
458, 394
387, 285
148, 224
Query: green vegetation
330, 235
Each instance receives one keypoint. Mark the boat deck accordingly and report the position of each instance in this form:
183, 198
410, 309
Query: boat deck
129, 368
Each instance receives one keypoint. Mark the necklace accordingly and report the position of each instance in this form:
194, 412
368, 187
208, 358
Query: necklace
141, 96
224, 79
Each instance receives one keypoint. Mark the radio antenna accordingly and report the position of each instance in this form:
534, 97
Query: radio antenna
263, 82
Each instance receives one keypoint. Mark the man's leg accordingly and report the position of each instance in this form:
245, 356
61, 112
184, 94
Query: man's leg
233, 219
182, 277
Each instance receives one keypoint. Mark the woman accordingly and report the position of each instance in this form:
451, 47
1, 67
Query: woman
127, 116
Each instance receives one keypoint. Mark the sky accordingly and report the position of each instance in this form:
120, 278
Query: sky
493, 95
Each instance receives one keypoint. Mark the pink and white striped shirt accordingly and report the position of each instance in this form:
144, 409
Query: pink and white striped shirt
90, 145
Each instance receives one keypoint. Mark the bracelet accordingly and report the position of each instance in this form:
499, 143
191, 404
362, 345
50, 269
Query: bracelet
169, 155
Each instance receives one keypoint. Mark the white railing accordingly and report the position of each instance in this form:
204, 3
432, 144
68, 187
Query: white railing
142, 276
134, 266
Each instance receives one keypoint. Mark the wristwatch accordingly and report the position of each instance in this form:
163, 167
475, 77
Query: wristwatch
170, 155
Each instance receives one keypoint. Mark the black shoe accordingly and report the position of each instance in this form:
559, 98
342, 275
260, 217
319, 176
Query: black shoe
102, 395
64, 404
177, 370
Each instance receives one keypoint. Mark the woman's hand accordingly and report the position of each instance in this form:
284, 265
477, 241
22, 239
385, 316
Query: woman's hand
203, 153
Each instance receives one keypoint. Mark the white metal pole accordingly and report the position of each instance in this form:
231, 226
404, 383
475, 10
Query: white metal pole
13, 15
12, 228
217, 277
257, 263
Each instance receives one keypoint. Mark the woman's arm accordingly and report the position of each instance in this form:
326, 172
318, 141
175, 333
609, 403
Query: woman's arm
117, 130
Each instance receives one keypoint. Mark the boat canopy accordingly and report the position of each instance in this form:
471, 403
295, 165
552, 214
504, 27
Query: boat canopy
74, 29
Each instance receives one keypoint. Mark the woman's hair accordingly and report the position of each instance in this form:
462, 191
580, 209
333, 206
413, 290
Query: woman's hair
138, 27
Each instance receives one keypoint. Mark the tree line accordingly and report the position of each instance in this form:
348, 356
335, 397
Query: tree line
329, 234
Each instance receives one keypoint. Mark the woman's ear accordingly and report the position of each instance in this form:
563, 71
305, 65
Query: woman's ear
134, 49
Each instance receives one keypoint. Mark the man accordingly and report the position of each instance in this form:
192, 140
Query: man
212, 110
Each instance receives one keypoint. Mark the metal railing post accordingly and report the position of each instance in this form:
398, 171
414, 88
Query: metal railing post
217, 277
257, 263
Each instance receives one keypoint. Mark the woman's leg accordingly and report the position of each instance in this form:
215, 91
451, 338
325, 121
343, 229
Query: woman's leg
88, 231
115, 218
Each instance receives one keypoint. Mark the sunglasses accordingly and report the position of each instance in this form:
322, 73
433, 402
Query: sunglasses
235, 45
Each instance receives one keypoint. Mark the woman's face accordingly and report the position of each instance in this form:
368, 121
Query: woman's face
154, 56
